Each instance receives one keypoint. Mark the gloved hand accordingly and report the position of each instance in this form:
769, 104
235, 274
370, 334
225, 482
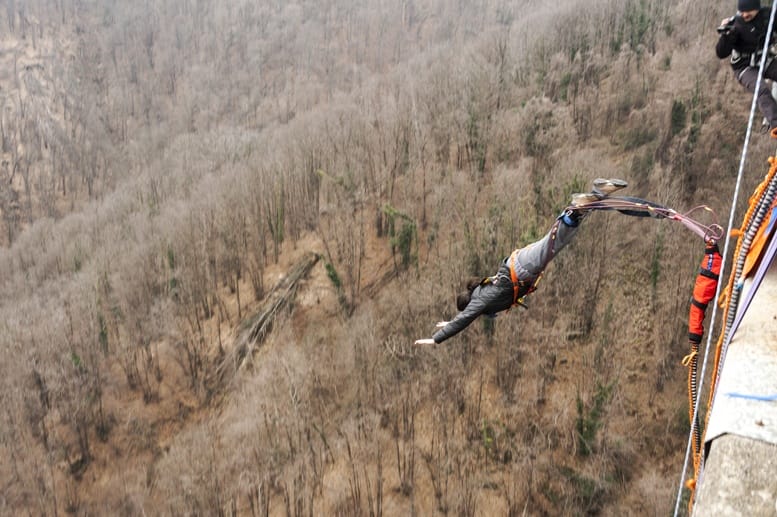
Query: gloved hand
428, 341
725, 25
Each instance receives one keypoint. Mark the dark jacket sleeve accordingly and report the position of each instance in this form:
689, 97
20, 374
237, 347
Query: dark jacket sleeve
462, 320
725, 45
727, 41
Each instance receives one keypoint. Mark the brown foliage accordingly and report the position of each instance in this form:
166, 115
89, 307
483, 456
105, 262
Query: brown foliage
168, 161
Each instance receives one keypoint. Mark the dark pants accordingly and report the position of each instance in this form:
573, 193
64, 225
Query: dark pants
748, 76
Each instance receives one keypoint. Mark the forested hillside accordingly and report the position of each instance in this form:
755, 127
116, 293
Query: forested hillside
166, 164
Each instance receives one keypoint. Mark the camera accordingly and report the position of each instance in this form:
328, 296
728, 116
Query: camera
726, 26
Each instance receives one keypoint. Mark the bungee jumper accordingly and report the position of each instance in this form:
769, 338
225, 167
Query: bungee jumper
519, 273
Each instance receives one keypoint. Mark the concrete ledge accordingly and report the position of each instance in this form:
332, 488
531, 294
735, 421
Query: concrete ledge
740, 478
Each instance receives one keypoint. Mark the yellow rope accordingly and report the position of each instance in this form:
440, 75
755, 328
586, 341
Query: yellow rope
690, 357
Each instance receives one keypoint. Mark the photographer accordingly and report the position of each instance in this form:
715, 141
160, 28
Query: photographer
742, 37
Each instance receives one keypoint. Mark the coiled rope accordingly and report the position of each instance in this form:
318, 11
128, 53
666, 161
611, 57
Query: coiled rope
692, 435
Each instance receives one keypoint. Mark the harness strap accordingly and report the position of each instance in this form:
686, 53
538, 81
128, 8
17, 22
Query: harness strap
708, 274
514, 277
522, 287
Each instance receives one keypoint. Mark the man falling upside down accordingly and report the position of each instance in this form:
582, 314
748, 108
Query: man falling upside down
518, 273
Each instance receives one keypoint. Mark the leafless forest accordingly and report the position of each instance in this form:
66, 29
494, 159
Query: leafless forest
165, 164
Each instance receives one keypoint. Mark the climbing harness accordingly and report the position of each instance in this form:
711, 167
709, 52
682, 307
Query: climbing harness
522, 288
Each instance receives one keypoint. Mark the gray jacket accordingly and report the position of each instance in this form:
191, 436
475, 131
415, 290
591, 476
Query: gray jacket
497, 294
488, 298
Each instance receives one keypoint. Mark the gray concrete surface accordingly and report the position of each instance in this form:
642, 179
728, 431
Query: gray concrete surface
740, 479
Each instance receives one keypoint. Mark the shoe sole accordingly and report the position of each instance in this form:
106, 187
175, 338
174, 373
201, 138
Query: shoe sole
583, 199
605, 187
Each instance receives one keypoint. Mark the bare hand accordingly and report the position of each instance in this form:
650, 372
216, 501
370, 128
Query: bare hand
441, 324
428, 341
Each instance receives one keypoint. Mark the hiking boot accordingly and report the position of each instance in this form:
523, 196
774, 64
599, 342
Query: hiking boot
604, 187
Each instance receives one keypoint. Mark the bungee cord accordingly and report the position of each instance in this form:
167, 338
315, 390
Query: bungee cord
642, 208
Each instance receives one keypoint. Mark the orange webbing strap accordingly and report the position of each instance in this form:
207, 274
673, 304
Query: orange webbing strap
514, 276
519, 285
531, 287
522, 288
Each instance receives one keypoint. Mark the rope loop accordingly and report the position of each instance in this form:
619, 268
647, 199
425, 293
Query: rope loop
689, 358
